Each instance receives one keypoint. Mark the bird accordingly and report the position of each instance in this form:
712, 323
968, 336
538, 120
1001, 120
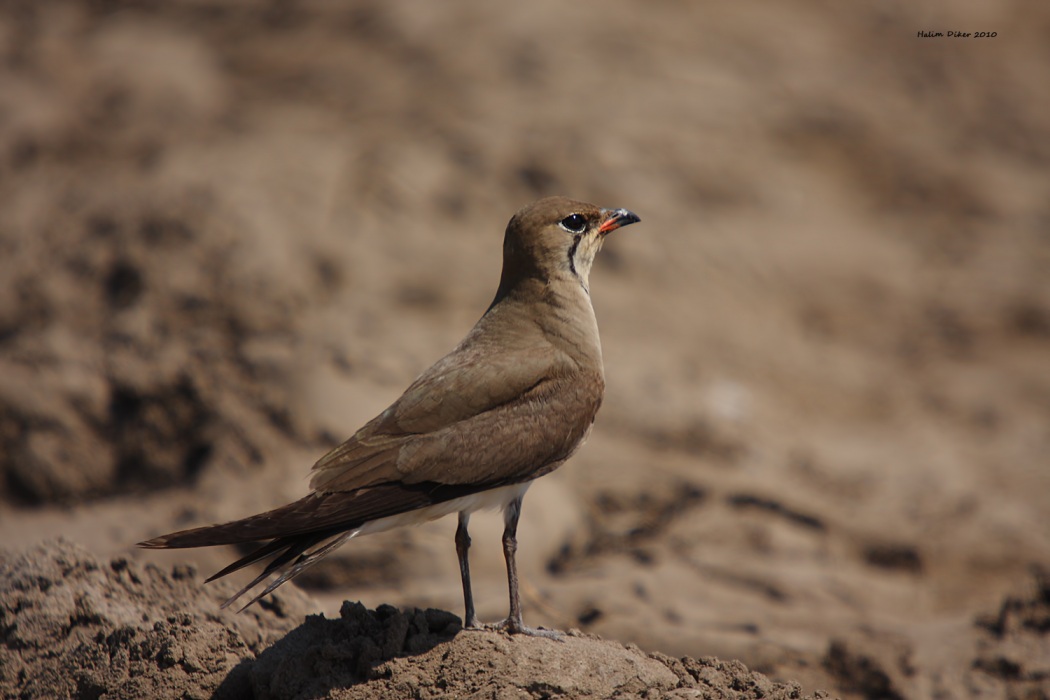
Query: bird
509, 404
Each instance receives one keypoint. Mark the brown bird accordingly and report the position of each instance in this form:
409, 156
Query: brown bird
510, 403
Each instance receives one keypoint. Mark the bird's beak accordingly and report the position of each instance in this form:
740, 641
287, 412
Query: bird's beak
615, 218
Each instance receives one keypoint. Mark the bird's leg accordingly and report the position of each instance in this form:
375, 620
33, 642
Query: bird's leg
470, 619
510, 547
514, 623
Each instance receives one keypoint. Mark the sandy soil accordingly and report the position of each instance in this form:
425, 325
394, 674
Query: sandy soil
79, 627
232, 232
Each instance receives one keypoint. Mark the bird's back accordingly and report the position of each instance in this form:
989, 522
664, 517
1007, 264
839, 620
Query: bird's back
516, 396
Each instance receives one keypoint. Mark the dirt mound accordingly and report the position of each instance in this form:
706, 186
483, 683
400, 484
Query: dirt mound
80, 627
77, 626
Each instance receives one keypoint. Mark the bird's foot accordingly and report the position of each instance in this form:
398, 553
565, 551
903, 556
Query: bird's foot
515, 626
511, 626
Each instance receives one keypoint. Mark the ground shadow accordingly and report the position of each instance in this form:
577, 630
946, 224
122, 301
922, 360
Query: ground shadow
322, 653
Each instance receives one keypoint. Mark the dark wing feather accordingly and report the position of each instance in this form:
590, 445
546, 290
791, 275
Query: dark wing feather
318, 512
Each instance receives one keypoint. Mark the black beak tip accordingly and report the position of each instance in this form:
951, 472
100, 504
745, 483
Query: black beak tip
618, 218
627, 217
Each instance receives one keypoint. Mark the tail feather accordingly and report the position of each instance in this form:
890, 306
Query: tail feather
288, 568
291, 556
258, 554
302, 533
277, 563
293, 531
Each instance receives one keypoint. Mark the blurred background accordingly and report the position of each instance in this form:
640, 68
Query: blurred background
233, 231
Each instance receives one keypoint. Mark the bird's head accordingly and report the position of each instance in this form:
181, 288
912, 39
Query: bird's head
557, 238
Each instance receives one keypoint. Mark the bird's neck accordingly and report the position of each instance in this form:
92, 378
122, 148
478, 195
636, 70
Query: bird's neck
559, 309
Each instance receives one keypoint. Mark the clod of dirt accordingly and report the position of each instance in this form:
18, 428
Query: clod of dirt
74, 626
1013, 652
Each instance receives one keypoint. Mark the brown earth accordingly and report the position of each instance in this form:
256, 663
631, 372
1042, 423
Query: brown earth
232, 232
79, 627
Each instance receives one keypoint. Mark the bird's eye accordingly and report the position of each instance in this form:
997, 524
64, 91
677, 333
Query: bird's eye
574, 223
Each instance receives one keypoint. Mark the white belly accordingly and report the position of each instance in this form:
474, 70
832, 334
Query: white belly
485, 500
